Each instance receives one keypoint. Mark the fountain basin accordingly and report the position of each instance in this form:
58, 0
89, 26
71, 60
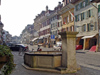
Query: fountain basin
42, 60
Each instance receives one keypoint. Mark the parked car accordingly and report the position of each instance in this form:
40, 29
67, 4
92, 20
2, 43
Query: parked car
17, 47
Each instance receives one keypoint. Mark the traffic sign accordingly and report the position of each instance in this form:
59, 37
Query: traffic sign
52, 36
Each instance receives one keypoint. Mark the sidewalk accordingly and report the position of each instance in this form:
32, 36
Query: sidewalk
87, 51
20, 70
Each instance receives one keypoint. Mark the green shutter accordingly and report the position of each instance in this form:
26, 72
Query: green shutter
87, 14
88, 25
98, 8
86, 2
90, 13
80, 5
83, 15
76, 18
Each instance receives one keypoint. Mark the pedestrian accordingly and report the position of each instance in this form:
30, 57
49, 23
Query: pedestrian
32, 49
38, 47
27, 48
20, 50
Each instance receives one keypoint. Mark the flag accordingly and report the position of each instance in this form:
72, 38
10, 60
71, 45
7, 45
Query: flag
72, 14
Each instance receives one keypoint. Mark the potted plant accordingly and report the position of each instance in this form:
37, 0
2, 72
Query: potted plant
6, 60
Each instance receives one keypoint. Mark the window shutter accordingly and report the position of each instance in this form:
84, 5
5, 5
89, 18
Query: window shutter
87, 14
86, 2
81, 5
98, 8
92, 13
84, 15
81, 17
76, 18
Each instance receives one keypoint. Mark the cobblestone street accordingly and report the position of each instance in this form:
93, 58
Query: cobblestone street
89, 62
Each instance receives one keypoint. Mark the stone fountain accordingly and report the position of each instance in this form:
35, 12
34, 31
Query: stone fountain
59, 62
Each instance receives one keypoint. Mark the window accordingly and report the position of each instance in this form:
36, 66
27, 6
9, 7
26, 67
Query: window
77, 29
89, 13
84, 27
82, 16
91, 27
67, 18
96, 26
64, 20
71, 18
58, 24
69, 0
51, 25
88, 27
83, 4
72, 28
87, 2
76, 7
76, 18
67, 29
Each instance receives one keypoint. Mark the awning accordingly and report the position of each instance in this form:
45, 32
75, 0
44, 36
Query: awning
47, 35
88, 36
41, 37
34, 39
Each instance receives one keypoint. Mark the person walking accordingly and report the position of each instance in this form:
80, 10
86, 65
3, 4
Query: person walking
27, 48
20, 50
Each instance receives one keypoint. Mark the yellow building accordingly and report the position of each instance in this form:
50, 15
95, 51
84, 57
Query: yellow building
67, 14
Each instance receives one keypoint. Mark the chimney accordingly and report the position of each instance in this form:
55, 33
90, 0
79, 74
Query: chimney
46, 8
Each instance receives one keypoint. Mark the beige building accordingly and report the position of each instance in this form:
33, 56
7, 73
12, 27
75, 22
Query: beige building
86, 23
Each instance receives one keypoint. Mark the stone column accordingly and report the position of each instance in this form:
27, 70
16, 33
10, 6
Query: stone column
68, 50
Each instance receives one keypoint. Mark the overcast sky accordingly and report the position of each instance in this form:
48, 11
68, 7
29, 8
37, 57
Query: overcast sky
16, 14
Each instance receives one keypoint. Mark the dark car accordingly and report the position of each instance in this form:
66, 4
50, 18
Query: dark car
17, 47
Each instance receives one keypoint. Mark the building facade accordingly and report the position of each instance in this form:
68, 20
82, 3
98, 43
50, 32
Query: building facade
86, 23
48, 23
1, 28
7, 38
67, 14
27, 34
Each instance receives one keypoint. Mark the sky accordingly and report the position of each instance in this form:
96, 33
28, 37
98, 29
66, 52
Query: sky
16, 14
